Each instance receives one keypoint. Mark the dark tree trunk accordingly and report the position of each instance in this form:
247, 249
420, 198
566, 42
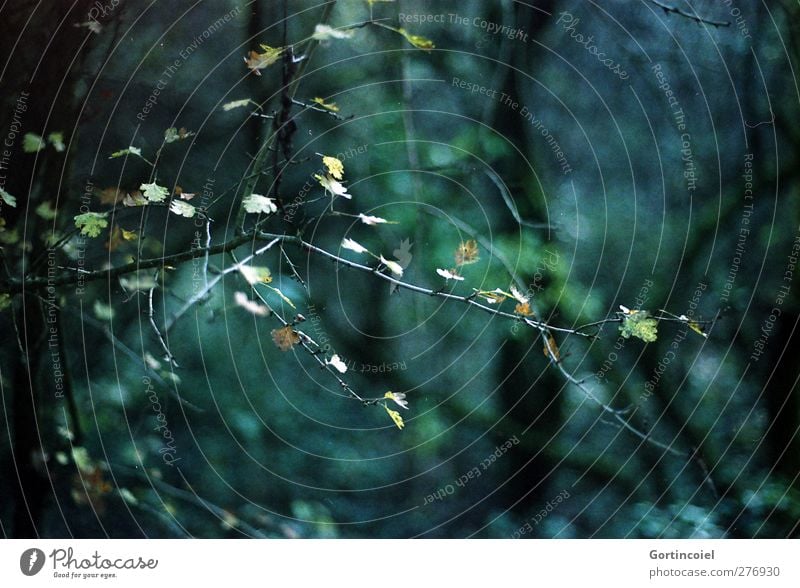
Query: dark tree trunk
39, 95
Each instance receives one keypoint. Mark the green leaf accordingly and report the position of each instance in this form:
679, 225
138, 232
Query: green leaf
154, 193
129, 151
141, 280
102, 311
639, 324
46, 211
32, 143
5, 301
8, 198
91, 224
416, 40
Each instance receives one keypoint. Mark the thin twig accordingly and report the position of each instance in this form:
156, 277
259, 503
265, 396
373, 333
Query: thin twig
151, 315
695, 17
316, 108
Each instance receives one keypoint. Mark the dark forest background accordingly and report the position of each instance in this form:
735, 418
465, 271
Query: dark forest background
673, 187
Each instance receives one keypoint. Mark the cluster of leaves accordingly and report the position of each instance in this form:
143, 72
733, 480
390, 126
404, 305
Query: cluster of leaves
639, 324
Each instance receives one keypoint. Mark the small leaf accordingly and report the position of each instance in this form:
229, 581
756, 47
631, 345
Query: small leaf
182, 208
8, 198
697, 328
449, 274
46, 211
693, 325
393, 266
372, 220
102, 311
323, 32
639, 324
236, 104
127, 496
129, 235
255, 274
5, 301
129, 151
551, 349
353, 246
32, 143
523, 309
334, 166
282, 295
398, 398
57, 141
416, 40
518, 296
184, 195
257, 61
258, 204
172, 134
333, 186
398, 420
91, 224
326, 105
337, 363
135, 198
154, 193
114, 239
250, 306
285, 338
110, 195
495, 296
138, 281
81, 458
467, 252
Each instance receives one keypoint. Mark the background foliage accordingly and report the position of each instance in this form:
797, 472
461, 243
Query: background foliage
451, 143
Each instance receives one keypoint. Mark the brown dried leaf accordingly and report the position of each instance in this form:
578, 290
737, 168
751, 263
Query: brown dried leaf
111, 195
524, 309
285, 338
551, 349
467, 252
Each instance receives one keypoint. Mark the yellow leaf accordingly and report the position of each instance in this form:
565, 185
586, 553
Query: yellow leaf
256, 61
467, 252
282, 295
326, 105
398, 398
418, 41
255, 274
398, 420
285, 338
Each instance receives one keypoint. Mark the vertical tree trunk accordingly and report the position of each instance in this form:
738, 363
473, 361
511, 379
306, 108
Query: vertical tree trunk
42, 54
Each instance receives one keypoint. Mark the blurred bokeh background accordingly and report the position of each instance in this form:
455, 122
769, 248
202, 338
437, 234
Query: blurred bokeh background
600, 153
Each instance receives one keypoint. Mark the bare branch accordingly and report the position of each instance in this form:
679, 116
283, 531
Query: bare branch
692, 16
